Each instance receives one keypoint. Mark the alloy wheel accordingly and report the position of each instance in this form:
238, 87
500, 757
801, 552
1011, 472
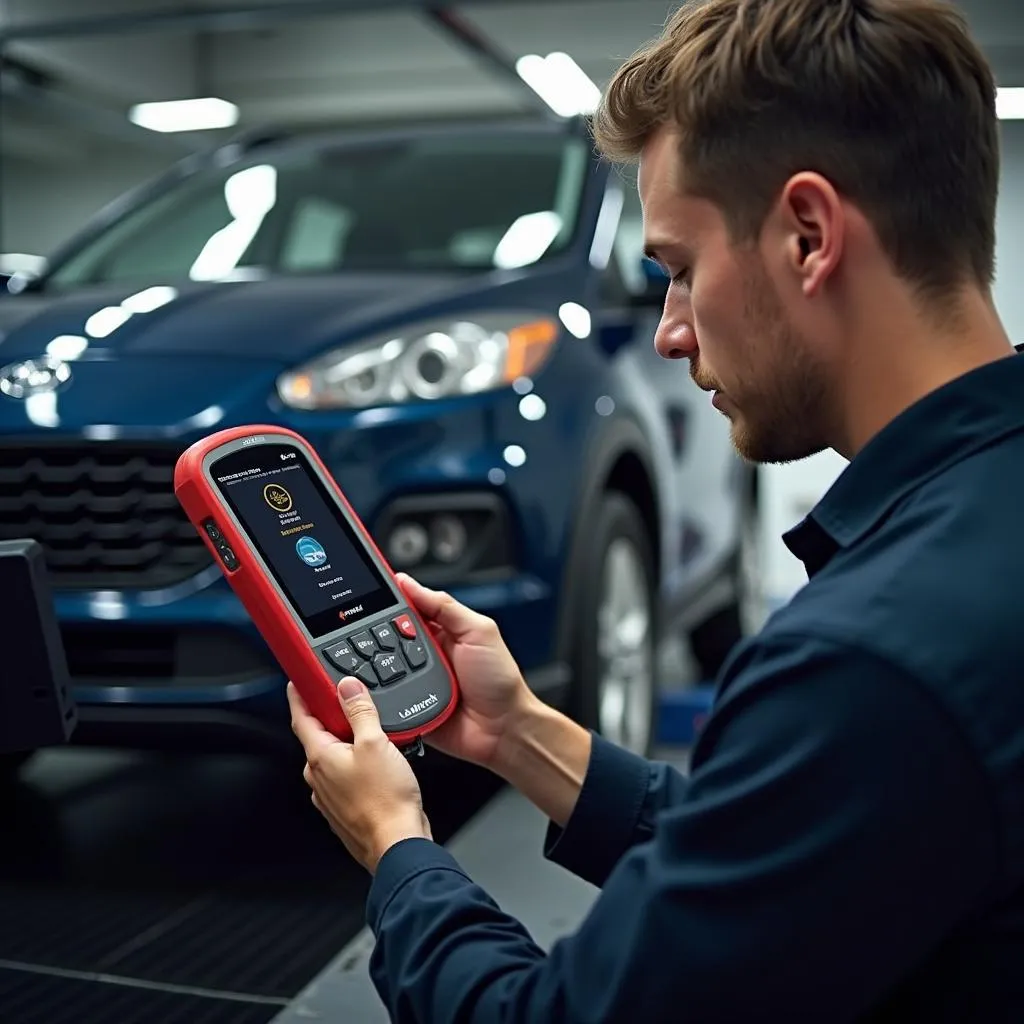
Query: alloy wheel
625, 649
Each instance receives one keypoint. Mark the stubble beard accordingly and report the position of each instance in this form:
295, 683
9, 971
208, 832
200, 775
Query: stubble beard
780, 398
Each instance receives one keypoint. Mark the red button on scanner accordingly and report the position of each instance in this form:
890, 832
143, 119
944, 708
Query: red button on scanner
406, 626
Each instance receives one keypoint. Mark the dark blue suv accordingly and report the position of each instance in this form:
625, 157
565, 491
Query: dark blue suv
460, 319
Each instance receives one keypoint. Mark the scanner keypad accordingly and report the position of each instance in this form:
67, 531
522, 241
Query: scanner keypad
342, 656
384, 634
381, 654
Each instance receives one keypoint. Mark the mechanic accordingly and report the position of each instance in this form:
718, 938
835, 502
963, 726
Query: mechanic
819, 181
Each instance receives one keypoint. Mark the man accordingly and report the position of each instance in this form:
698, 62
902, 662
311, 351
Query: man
819, 181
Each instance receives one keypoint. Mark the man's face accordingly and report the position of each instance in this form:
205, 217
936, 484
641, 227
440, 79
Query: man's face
723, 313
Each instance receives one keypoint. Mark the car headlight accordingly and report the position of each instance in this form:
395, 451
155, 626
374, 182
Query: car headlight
435, 360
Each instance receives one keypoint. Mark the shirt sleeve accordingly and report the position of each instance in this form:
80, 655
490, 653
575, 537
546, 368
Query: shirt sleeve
621, 797
834, 830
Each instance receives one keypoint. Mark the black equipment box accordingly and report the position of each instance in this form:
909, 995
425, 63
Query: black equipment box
36, 707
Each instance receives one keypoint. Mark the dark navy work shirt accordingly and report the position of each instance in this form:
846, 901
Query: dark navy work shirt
849, 844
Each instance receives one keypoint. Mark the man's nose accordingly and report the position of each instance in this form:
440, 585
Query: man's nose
675, 338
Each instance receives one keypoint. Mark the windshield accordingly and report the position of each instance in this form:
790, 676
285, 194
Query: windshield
434, 204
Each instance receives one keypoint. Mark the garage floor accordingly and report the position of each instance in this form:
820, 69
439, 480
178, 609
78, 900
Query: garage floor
188, 889
204, 889
501, 849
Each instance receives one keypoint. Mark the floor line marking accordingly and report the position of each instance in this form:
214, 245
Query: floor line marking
153, 986
154, 931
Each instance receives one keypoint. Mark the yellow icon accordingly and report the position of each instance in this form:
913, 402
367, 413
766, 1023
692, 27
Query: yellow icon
277, 498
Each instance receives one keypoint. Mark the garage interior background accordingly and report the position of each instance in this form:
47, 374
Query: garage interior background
68, 147
145, 889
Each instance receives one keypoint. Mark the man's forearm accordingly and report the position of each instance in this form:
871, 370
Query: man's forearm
545, 756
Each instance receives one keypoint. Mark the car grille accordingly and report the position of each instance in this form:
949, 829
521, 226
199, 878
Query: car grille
108, 654
104, 512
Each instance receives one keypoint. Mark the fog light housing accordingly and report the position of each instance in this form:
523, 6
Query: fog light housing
443, 539
448, 538
406, 545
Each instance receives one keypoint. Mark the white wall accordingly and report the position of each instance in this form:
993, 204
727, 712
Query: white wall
1010, 227
790, 491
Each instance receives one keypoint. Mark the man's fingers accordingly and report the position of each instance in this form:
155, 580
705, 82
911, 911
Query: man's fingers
295, 701
359, 709
456, 619
311, 734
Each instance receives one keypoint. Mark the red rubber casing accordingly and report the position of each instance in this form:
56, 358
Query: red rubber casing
269, 611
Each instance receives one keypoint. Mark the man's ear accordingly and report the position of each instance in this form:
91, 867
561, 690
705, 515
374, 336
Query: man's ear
814, 226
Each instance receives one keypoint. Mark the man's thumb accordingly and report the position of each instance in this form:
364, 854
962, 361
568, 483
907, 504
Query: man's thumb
358, 706
455, 618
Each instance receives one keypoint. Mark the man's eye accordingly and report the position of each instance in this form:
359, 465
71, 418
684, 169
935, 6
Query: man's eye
683, 277
655, 267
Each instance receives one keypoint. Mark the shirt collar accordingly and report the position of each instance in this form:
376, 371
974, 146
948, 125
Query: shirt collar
935, 433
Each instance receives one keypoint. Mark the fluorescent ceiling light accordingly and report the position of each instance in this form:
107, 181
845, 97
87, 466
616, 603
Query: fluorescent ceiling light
560, 82
1010, 104
185, 115
21, 263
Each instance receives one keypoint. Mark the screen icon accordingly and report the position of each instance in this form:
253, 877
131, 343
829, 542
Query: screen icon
311, 551
277, 498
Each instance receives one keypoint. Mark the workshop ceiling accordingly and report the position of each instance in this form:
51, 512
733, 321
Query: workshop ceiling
301, 63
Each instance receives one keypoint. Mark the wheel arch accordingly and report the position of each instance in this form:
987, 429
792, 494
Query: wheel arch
618, 459
631, 476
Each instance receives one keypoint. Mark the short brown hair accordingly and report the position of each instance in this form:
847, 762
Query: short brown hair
891, 100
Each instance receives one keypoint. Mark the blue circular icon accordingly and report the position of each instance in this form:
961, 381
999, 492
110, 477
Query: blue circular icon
311, 551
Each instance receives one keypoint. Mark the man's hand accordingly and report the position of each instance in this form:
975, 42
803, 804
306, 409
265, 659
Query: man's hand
365, 789
500, 723
494, 695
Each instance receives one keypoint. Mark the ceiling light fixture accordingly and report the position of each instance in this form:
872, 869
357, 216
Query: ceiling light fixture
1010, 104
560, 82
200, 114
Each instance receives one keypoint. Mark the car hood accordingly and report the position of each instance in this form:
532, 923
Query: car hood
282, 320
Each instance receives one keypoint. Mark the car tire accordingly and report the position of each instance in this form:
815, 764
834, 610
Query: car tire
615, 636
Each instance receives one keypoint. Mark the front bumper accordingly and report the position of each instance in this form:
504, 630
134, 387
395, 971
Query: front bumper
239, 725
186, 660
190, 670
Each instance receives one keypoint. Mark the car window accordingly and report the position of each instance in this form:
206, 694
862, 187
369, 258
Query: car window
173, 235
439, 203
315, 236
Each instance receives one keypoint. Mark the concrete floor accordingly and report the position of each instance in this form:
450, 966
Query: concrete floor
187, 888
501, 849
193, 887
207, 888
